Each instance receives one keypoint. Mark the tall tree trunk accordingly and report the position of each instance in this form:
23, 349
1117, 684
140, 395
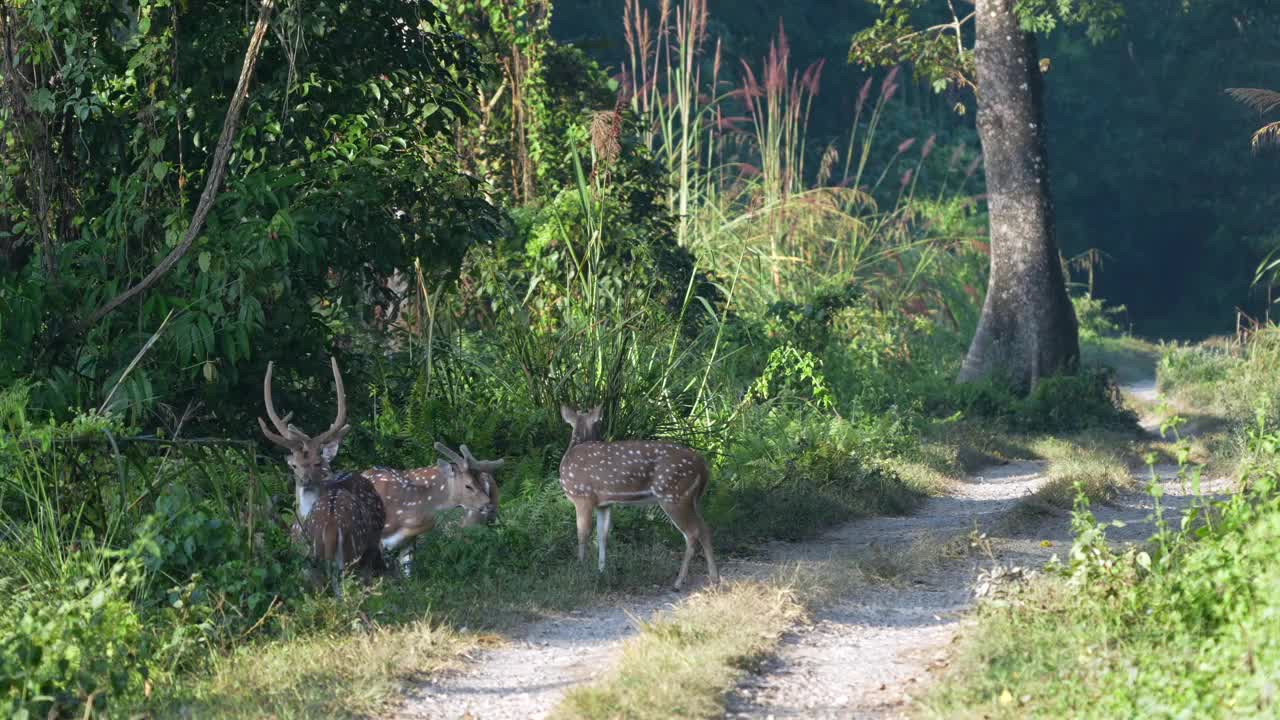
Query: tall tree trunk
1028, 327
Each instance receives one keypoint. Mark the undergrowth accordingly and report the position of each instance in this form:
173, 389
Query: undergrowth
1182, 626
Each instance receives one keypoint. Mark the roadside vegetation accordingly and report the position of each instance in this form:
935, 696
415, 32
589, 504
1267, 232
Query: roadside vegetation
1180, 625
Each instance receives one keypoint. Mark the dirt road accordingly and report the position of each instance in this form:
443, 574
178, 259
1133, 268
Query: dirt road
862, 656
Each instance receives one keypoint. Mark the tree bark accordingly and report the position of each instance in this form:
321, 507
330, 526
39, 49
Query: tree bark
1028, 328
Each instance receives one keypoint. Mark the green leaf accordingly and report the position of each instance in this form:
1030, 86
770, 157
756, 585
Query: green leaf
160, 169
206, 330
42, 100
203, 260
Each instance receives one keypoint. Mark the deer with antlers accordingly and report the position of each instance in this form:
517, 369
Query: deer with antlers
340, 515
597, 475
414, 498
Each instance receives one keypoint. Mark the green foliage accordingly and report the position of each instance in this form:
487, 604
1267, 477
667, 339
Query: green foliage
794, 373
1096, 318
123, 566
1154, 85
1100, 18
73, 643
788, 472
510, 144
1180, 627
1226, 379
938, 55
331, 195
1064, 403
935, 41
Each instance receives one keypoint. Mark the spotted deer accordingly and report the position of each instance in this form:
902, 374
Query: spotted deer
413, 498
340, 516
597, 475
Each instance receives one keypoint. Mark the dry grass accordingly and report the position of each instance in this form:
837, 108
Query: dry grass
681, 663
951, 451
1102, 471
353, 674
926, 553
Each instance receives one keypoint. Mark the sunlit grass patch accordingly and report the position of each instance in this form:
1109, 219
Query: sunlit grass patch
682, 661
347, 674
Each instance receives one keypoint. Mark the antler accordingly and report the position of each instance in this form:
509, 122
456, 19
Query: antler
451, 456
285, 436
339, 422
480, 465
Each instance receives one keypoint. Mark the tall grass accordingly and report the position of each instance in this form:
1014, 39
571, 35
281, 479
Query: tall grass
743, 186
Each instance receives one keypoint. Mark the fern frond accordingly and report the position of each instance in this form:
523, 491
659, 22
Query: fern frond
1268, 134
1264, 101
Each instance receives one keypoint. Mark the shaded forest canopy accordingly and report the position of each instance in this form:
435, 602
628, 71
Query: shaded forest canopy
1149, 157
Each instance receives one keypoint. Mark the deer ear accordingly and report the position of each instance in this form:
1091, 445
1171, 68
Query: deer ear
446, 470
568, 415
329, 450
594, 415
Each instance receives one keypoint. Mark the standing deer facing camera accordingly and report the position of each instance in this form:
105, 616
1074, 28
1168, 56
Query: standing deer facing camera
340, 515
597, 475
413, 498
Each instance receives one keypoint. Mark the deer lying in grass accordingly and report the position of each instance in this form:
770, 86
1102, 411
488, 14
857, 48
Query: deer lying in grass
340, 515
413, 498
597, 475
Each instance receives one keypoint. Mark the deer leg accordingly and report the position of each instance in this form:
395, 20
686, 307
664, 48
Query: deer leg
405, 559
603, 520
704, 536
689, 523
396, 543
689, 549
584, 507
679, 517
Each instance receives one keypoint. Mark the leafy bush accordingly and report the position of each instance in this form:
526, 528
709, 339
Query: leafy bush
1095, 318
1064, 403
67, 644
789, 472
121, 564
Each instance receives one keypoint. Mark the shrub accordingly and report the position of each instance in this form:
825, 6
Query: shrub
1095, 318
1063, 403
66, 644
